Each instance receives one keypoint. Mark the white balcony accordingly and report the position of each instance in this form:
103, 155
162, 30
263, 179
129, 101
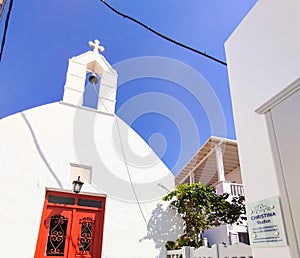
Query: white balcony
232, 188
216, 161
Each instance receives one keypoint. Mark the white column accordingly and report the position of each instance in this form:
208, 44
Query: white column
75, 83
220, 165
108, 91
192, 178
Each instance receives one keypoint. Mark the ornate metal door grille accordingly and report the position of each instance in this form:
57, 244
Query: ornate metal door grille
86, 233
57, 236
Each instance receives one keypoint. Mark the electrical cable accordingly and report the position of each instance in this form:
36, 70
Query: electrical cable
5, 28
129, 176
96, 91
164, 36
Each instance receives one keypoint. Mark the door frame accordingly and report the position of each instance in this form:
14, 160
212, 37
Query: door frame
99, 211
266, 110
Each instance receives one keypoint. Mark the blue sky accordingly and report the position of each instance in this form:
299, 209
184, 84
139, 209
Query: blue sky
43, 35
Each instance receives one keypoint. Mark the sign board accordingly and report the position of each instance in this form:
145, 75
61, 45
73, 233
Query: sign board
266, 228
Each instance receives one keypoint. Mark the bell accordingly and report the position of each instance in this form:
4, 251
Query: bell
93, 79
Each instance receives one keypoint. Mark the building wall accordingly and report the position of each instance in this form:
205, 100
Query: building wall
217, 235
37, 147
263, 59
285, 127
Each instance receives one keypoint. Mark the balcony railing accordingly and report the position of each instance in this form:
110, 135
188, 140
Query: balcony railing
236, 189
216, 251
232, 189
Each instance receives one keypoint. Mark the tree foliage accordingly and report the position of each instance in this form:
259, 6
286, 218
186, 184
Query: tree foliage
202, 208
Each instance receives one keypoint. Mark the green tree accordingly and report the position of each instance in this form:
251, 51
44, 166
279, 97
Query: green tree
202, 208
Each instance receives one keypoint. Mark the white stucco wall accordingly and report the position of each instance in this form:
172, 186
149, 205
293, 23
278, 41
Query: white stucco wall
263, 59
37, 147
217, 235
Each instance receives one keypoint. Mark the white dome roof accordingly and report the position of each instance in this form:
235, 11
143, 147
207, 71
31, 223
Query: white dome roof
54, 135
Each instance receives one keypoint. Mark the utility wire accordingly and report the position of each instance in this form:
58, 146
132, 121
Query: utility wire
129, 175
164, 36
5, 28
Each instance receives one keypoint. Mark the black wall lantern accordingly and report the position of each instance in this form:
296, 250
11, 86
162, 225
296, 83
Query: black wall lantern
77, 184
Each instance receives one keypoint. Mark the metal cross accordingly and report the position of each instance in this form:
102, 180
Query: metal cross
96, 46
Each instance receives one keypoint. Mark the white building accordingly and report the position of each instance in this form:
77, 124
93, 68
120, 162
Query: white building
43, 150
263, 57
217, 164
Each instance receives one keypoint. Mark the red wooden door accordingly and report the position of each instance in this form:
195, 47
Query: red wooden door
71, 226
55, 233
84, 237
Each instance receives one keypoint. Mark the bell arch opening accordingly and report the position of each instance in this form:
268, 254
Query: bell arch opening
91, 90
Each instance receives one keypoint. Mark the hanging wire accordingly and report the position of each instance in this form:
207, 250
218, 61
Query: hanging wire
164, 36
95, 89
5, 28
129, 175
126, 164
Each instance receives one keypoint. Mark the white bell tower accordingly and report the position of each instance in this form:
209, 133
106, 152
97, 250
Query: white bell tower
79, 66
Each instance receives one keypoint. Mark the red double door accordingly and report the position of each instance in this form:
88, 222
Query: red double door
71, 226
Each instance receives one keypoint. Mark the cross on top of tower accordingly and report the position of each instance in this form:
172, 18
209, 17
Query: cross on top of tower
96, 46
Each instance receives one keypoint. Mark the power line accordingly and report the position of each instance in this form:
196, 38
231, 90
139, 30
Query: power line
129, 175
5, 28
164, 36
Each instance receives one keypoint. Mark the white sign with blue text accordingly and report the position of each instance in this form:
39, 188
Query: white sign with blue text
265, 223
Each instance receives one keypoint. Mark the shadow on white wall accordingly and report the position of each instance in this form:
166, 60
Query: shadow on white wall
163, 225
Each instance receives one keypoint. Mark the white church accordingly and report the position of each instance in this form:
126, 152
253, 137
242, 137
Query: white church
48, 150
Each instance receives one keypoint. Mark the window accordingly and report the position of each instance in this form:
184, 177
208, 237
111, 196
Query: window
57, 236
